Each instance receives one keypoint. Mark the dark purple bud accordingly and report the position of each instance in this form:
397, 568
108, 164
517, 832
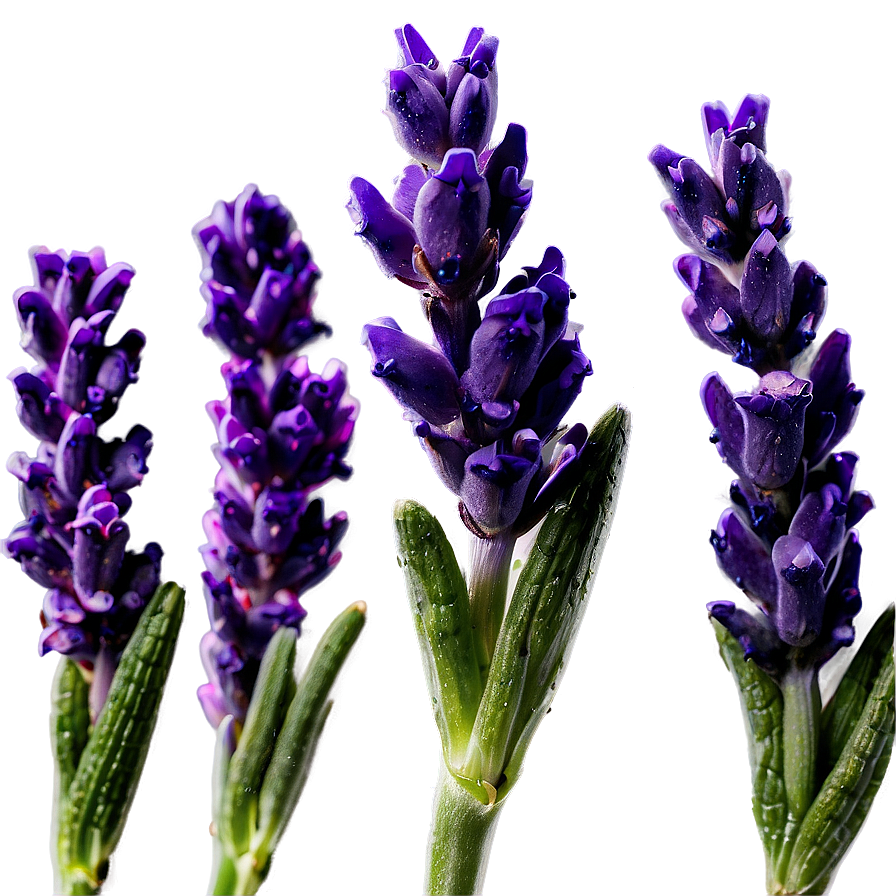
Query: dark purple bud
727, 420
123, 462
497, 479
100, 540
418, 114
473, 108
507, 348
276, 518
697, 203
756, 636
44, 333
510, 195
108, 289
451, 216
774, 418
842, 603
836, 399
820, 519
41, 410
799, 613
76, 457
807, 309
447, 454
766, 291
744, 558
556, 385
389, 234
42, 558
752, 183
407, 188
419, 376
415, 50
247, 392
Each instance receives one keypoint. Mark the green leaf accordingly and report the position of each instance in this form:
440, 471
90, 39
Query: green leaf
842, 712
763, 709
834, 818
109, 770
294, 750
545, 612
441, 608
69, 723
274, 690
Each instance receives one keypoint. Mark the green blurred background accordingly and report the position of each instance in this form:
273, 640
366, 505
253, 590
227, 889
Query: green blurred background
122, 122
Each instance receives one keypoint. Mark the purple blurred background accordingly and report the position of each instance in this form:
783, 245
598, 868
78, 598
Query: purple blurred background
123, 122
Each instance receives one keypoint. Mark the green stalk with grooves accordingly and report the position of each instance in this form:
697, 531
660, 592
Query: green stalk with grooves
97, 776
486, 725
257, 787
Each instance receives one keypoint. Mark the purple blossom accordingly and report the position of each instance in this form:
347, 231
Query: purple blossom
788, 541
281, 432
487, 398
73, 540
457, 208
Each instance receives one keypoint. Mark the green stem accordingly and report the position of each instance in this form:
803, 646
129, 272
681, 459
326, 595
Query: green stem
802, 723
235, 878
76, 883
489, 573
460, 841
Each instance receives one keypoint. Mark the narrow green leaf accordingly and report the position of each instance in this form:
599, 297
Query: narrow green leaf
763, 709
835, 817
109, 771
296, 744
274, 689
441, 608
69, 723
546, 610
843, 709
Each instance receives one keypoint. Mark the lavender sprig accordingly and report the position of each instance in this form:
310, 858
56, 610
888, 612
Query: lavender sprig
73, 542
282, 432
788, 540
486, 401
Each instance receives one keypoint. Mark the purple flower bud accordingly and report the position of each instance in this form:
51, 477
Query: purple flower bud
418, 114
472, 92
510, 195
100, 541
451, 216
745, 559
258, 275
836, 399
507, 347
44, 332
773, 428
497, 478
418, 375
765, 290
820, 520
755, 634
799, 612
389, 233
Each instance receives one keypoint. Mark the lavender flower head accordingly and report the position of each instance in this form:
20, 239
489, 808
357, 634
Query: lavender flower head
788, 540
281, 432
74, 492
487, 399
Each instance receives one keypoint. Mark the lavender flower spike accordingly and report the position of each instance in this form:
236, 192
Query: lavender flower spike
103, 610
486, 398
282, 432
73, 540
788, 541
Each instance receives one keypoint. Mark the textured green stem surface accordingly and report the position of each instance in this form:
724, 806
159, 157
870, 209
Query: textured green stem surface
489, 573
461, 840
802, 725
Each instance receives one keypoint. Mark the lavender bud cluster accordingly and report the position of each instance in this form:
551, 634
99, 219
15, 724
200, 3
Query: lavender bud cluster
282, 432
486, 400
74, 492
788, 540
